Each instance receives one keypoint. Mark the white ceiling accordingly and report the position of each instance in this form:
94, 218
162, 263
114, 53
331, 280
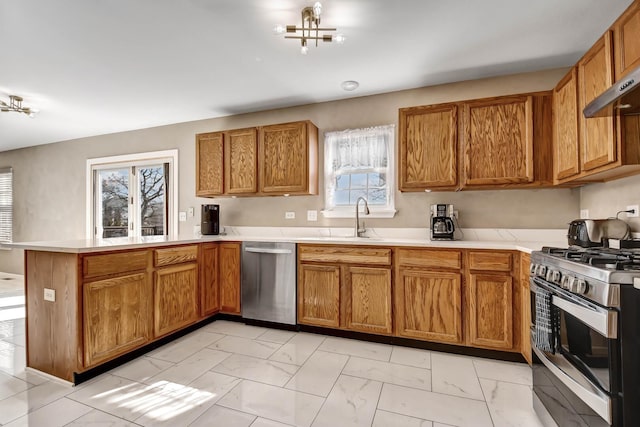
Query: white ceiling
100, 66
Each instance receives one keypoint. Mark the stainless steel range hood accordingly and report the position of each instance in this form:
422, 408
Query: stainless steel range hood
624, 95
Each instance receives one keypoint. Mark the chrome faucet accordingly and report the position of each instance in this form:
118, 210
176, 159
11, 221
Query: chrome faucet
360, 231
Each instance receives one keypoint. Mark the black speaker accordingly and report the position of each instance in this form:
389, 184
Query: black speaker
210, 219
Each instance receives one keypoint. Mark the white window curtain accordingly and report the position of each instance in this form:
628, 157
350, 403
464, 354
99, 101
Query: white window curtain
6, 205
359, 148
359, 151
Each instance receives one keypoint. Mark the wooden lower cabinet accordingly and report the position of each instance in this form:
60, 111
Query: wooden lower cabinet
368, 299
319, 295
175, 302
345, 287
428, 305
525, 312
229, 277
116, 316
209, 293
490, 310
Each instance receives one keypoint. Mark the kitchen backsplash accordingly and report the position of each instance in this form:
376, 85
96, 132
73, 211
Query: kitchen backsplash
603, 200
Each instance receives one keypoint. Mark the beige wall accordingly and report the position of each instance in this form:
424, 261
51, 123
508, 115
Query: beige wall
605, 199
49, 180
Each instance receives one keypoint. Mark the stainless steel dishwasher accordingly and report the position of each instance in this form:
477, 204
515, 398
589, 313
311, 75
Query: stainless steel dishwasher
269, 282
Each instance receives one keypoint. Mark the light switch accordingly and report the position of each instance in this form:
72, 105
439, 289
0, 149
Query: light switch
49, 294
312, 215
191, 212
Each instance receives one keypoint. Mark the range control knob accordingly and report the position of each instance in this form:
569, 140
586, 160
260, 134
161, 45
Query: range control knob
553, 276
533, 268
565, 282
579, 286
542, 271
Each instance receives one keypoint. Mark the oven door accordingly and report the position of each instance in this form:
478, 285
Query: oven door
580, 379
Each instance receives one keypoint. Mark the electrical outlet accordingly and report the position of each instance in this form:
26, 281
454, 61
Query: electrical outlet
190, 212
289, 215
635, 213
182, 216
584, 213
49, 294
312, 215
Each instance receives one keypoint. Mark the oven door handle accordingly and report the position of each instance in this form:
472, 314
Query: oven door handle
583, 388
603, 321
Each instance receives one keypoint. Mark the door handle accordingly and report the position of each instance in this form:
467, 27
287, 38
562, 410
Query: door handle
268, 251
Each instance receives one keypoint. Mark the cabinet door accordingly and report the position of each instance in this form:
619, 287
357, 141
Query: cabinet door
319, 295
284, 158
566, 153
428, 305
428, 147
498, 141
209, 294
240, 161
209, 164
175, 298
368, 304
490, 313
229, 277
525, 307
627, 40
595, 75
116, 314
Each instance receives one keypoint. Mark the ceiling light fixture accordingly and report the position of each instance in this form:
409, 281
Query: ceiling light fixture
349, 85
310, 29
15, 105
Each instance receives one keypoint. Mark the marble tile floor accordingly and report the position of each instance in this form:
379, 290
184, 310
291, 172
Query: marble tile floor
229, 374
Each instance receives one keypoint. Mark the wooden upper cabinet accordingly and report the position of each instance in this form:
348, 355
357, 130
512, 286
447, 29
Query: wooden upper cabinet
288, 158
229, 277
595, 75
566, 152
498, 141
428, 141
241, 161
626, 31
209, 164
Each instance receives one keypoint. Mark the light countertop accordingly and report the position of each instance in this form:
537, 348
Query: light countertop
524, 240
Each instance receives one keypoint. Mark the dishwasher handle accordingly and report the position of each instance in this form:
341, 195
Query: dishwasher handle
268, 251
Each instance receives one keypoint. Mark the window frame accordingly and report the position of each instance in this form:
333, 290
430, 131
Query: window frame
134, 160
9, 171
348, 211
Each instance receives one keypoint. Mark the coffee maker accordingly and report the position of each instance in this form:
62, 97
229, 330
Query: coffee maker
210, 220
442, 227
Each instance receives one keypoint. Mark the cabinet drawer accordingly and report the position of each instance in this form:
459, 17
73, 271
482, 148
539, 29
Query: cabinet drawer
429, 258
175, 255
345, 255
114, 263
490, 261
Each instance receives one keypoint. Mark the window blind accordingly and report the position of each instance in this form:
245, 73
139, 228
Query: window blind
6, 205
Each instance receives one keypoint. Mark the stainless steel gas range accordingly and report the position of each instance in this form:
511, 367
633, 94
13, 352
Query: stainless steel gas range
585, 335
